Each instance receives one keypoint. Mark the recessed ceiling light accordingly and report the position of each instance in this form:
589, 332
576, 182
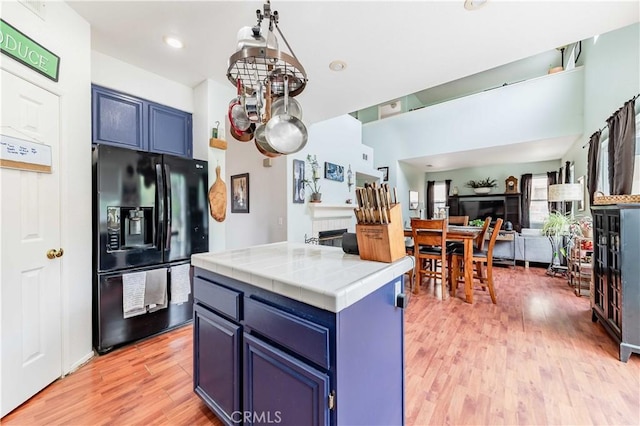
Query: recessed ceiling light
337, 65
173, 42
474, 4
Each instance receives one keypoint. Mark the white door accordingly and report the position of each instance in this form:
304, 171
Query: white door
30, 300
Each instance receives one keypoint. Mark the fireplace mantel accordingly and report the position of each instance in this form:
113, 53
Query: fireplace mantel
328, 211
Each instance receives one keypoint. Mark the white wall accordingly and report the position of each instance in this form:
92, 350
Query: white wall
409, 179
68, 36
209, 107
110, 72
536, 109
267, 217
499, 172
612, 77
339, 141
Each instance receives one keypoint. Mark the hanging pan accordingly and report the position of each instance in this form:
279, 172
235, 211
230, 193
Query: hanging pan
245, 136
285, 133
237, 114
261, 140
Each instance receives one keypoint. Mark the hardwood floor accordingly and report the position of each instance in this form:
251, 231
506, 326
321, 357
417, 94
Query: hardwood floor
534, 358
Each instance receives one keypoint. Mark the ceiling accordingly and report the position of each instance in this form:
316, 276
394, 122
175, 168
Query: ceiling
391, 48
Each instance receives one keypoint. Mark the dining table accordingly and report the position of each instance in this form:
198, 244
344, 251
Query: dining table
466, 235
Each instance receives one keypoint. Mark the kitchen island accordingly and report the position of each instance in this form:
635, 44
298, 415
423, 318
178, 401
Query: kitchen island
293, 333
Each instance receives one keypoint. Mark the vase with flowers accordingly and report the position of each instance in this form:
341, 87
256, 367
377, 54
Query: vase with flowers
586, 226
312, 183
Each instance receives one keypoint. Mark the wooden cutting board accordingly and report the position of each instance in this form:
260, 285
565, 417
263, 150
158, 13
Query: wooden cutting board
218, 198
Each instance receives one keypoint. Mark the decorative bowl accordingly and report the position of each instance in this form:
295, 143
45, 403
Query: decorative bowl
484, 190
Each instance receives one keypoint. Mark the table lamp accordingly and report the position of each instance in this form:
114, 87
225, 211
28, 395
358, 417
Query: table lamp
561, 193
564, 192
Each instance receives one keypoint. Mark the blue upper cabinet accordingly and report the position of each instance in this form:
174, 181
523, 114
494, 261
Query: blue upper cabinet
117, 119
170, 131
127, 121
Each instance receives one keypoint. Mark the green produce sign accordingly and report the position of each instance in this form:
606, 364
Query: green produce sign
21, 48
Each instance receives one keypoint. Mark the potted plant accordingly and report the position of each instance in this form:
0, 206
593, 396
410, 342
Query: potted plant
476, 222
556, 226
482, 186
312, 183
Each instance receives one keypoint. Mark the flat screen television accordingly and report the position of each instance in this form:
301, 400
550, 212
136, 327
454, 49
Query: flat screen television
481, 208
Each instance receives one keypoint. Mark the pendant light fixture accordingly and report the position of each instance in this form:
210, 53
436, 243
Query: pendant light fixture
262, 72
259, 59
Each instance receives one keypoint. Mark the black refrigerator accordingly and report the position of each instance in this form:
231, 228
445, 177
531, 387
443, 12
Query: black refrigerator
150, 214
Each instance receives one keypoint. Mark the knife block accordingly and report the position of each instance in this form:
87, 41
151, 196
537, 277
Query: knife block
382, 242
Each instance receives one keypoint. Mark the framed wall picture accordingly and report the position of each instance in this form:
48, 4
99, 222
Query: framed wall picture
240, 193
580, 203
385, 173
413, 200
298, 181
333, 172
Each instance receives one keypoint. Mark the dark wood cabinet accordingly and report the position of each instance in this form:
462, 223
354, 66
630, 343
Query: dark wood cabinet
127, 121
615, 298
513, 209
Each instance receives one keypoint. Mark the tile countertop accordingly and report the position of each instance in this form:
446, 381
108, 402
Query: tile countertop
321, 276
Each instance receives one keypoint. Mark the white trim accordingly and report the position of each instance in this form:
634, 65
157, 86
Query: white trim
322, 211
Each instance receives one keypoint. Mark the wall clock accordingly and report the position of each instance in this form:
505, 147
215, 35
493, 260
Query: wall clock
511, 185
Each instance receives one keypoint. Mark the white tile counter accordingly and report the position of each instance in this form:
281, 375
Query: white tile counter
321, 276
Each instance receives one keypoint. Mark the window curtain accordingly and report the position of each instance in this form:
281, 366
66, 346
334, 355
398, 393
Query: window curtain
622, 149
593, 164
552, 179
568, 205
430, 197
525, 190
447, 188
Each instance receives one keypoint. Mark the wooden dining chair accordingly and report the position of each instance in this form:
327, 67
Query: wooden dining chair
459, 220
482, 260
478, 244
430, 251
480, 239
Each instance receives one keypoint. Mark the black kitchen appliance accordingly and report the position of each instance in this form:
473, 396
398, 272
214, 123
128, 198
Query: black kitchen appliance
150, 215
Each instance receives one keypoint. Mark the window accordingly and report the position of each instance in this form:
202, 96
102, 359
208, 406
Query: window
603, 179
539, 209
439, 196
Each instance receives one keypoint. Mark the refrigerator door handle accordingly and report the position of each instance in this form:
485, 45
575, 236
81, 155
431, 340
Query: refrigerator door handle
167, 177
160, 197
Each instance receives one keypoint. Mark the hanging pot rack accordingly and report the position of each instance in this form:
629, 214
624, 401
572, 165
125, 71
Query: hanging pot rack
260, 64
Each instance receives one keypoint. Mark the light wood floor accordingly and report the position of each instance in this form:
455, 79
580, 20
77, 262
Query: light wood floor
534, 358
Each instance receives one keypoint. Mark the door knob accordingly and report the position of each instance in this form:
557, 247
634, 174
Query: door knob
53, 253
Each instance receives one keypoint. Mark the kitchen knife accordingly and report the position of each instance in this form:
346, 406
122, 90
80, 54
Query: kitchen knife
371, 204
378, 205
385, 206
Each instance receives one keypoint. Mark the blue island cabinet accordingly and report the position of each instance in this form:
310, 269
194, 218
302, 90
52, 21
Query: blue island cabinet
263, 358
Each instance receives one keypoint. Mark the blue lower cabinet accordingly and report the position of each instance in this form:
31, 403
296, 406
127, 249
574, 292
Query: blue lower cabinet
216, 357
281, 389
263, 358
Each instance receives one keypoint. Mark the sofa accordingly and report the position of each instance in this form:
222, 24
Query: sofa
528, 245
